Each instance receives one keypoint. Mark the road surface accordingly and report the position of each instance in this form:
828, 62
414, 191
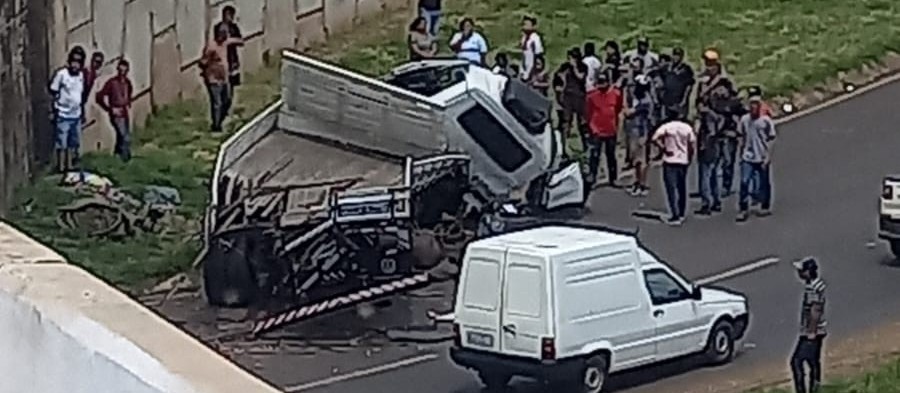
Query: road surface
827, 172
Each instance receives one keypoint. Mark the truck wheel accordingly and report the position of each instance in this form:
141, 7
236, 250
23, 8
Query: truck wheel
227, 278
494, 381
596, 370
720, 345
895, 248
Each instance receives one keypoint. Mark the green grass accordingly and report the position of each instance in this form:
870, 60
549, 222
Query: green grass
785, 45
885, 379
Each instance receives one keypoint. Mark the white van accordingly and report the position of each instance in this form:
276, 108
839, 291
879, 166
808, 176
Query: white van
571, 305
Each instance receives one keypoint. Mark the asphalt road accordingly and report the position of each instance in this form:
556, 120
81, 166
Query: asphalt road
827, 172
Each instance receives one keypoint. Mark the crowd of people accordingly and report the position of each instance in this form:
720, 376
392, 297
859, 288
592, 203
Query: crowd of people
71, 87
655, 103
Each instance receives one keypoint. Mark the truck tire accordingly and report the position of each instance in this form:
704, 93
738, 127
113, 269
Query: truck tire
227, 277
720, 344
895, 248
494, 381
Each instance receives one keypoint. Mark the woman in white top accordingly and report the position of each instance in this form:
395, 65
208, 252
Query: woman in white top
469, 44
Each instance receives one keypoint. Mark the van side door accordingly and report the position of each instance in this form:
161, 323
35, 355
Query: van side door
679, 328
524, 318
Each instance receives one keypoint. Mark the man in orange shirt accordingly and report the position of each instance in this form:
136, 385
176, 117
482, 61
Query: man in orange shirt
602, 109
215, 71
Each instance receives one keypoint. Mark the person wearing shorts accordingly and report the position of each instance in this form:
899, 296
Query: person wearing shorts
638, 121
67, 88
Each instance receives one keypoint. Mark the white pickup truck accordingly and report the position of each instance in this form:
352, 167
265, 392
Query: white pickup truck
889, 217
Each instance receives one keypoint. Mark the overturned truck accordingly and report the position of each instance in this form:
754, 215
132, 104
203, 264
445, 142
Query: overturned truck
350, 182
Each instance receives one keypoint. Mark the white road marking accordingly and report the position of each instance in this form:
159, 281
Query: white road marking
740, 270
362, 373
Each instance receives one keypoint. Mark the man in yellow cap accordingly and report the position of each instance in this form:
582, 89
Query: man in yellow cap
718, 107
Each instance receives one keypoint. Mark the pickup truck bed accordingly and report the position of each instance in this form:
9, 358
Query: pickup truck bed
305, 161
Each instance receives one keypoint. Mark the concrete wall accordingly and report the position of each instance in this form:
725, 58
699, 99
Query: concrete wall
163, 39
23, 67
65, 331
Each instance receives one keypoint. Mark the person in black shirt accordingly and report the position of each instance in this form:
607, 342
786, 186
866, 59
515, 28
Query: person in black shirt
612, 65
574, 92
234, 62
431, 11
677, 82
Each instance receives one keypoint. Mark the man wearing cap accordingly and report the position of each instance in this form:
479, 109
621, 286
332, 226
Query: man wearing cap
677, 83
651, 60
718, 103
812, 328
603, 107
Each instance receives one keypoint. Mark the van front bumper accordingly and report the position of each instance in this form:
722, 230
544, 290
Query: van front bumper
566, 369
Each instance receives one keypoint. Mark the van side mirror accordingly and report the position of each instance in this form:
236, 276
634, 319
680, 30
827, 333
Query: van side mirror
697, 293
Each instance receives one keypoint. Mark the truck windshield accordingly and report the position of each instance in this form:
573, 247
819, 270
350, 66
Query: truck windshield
429, 81
530, 108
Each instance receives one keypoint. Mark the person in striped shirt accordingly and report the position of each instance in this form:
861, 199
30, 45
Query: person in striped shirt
812, 328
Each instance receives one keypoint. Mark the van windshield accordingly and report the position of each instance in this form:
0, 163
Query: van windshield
648, 259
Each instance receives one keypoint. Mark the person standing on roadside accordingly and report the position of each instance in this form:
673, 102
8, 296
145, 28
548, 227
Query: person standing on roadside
642, 51
676, 138
469, 44
538, 79
431, 11
574, 94
604, 105
236, 40
812, 328
115, 99
593, 65
214, 69
421, 44
638, 121
708, 145
677, 82
91, 72
758, 132
717, 99
532, 45
612, 64
67, 89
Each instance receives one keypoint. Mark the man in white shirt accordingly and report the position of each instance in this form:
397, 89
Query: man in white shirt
593, 64
67, 88
532, 45
651, 59
676, 138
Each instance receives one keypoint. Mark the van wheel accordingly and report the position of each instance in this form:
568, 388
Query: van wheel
720, 345
596, 370
494, 381
895, 248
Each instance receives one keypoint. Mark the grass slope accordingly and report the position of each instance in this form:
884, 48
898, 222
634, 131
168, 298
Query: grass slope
782, 44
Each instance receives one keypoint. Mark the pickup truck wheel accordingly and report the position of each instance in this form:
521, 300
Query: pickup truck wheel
596, 370
494, 381
895, 248
720, 346
227, 276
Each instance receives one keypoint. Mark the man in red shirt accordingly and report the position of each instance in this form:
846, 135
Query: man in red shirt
602, 108
115, 99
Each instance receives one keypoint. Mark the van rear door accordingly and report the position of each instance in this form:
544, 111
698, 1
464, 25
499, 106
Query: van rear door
524, 317
478, 298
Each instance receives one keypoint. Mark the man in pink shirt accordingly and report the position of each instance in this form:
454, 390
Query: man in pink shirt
676, 139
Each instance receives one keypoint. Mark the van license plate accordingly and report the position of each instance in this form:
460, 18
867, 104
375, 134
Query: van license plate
480, 339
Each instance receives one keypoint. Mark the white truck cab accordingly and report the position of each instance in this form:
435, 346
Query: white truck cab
889, 213
571, 305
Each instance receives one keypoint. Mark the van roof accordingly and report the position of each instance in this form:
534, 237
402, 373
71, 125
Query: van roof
555, 239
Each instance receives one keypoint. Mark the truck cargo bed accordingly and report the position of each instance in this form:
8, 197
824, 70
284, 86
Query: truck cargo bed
295, 160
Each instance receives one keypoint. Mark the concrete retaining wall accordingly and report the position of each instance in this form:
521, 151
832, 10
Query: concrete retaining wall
65, 331
163, 40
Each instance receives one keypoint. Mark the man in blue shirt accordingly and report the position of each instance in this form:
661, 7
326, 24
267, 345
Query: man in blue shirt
757, 130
